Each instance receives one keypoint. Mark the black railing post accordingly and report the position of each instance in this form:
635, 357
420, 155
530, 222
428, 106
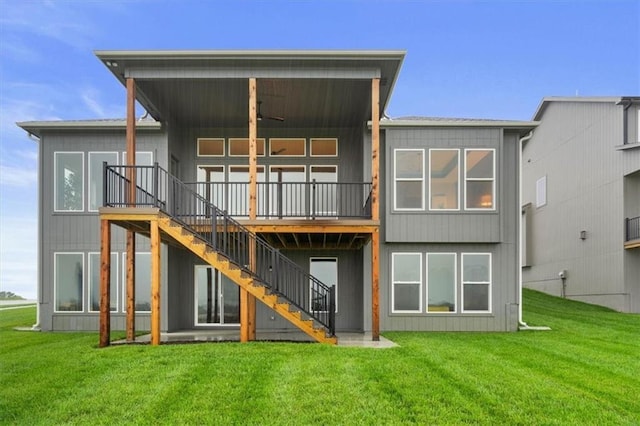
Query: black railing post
155, 184
313, 199
105, 187
332, 310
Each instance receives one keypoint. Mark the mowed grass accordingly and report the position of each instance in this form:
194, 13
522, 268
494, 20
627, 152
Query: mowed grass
585, 371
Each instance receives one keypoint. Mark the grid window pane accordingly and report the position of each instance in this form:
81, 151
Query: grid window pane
480, 194
476, 297
479, 164
406, 267
409, 164
409, 194
476, 267
406, 297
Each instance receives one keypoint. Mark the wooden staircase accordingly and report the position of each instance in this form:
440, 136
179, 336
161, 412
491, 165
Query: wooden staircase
243, 278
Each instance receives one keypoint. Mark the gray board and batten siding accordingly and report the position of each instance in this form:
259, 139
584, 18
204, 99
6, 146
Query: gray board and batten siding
79, 232
494, 232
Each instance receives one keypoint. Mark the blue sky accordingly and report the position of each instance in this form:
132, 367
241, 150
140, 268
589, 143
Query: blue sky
488, 59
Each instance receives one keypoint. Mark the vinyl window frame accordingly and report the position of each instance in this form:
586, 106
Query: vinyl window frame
396, 179
464, 282
55, 182
198, 141
492, 180
311, 154
420, 283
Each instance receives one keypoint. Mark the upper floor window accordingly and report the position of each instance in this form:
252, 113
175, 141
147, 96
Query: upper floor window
409, 179
210, 147
283, 147
96, 160
68, 188
479, 179
239, 147
324, 147
444, 182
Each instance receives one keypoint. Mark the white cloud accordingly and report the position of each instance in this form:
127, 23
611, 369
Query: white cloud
17, 176
18, 256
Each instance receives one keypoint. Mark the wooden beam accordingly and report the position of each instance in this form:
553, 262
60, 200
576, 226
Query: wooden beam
155, 283
131, 139
131, 286
375, 286
295, 238
253, 149
375, 149
282, 240
105, 283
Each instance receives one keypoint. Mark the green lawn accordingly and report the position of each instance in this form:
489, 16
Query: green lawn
585, 371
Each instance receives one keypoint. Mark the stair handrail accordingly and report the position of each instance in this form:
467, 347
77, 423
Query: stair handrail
158, 188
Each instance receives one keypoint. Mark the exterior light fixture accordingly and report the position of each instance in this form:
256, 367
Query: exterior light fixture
583, 235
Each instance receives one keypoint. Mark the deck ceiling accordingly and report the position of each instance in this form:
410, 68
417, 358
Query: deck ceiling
210, 88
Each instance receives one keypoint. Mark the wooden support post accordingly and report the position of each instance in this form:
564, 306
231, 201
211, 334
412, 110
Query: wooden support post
247, 301
105, 283
131, 238
375, 208
155, 283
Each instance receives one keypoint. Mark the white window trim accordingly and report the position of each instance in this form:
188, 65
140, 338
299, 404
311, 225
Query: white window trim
393, 283
224, 147
124, 282
55, 282
430, 197
311, 259
455, 284
89, 176
492, 180
117, 286
396, 179
541, 192
490, 283
311, 154
304, 145
231, 140
55, 181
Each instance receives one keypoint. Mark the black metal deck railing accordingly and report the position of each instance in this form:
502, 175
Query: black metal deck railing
277, 200
632, 228
155, 187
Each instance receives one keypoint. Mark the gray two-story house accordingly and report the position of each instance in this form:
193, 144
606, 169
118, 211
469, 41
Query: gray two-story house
266, 190
581, 201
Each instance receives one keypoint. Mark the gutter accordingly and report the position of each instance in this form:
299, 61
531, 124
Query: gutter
522, 326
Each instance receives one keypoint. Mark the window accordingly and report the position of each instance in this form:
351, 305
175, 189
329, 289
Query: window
325, 269
143, 158
238, 191
476, 282
211, 185
287, 197
406, 292
324, 147
68, 185
444, 185
143, 282
69, 282
409, 179
239, 147
324, 190
541, 192
217, 297
441, 282
94, 282
96, 176
210, 147
479, 179
281, 147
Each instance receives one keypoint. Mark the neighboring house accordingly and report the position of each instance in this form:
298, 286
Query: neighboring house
269, 176
581, 196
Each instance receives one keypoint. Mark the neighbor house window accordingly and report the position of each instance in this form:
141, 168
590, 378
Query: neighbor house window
444, 182
283, 147
324, 147
479, 179
69, 282
406, 285
239, 147
68, 185
96, 172
441, 282
409, 179
541, 192
476, 282
210, 147
94, 282
143, 282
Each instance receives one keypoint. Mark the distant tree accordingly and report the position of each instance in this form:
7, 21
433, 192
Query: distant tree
7, 295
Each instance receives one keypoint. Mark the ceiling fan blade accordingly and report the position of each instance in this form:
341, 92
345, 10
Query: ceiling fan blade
275, 118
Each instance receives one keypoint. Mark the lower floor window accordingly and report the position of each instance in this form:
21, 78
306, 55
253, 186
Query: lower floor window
143, 282
94, 282
69, 282
441, 285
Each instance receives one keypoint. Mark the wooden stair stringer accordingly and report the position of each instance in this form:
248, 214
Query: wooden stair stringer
194, 244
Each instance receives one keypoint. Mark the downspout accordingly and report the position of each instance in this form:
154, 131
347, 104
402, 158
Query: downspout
36, 326
522, 326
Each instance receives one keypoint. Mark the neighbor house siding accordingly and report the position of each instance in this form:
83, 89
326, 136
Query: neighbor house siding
575, 148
